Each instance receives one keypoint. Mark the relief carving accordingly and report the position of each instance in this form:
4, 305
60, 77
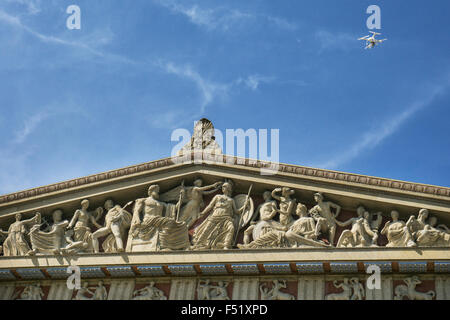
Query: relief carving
275, 293
149, 292
207, 291
409, 290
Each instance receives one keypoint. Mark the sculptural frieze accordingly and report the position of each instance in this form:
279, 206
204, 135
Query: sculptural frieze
275, 293
149, 292
409, 290
91, 293
208, 291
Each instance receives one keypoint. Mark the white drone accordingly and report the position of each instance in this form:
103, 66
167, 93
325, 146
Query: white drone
371, 41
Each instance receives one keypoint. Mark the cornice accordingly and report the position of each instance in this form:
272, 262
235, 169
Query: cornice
295, 170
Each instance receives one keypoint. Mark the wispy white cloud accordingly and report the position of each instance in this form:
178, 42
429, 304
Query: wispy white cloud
253, 81
209, 90
222, 18
29, 126
335, 41
33, 6
15, 21
374, 137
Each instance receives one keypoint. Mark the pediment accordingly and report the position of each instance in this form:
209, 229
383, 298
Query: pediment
127, 184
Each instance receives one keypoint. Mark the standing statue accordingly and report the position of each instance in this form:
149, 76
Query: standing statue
218, 230
301, 233
397, 232
275, 293
156, 230
358, 289
346, 294
149, 292
56, 240
15, 243
363, 233
326, 220
267, 212
287, 205
117, 220
207, 291
193, 199
82, 231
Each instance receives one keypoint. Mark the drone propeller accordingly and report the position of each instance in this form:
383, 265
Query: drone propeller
375, 33
363, 38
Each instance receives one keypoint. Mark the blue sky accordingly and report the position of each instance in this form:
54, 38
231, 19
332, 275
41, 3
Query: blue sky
78, 102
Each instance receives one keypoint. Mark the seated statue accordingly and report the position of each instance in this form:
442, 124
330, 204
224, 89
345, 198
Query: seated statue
397, 232
156, 230
267, 212
301, 233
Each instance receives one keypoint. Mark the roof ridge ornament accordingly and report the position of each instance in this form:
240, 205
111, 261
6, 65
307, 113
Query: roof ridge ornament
202, 140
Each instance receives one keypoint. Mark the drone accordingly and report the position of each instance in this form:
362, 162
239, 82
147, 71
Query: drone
371, 41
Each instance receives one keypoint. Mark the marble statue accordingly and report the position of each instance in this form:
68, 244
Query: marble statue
81, 293
149, 292
99, 293
301, 233
153, 227
218, 229
202, 139
358, 289
425, 234
363, 232
409, 290
266, 212
193, 199
56, 240
287, 205
207, 291
397, 232
325, 218
15, 243
80, 223
32, 292
346, 294
275, 293
117, 220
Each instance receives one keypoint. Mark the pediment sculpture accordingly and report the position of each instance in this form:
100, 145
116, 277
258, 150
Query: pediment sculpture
179, 219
